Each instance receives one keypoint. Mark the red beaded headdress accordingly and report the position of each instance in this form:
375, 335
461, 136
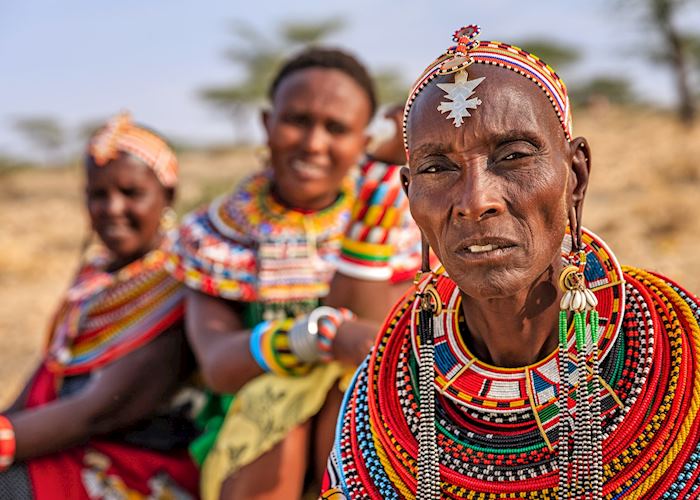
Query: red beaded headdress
470, 50
120, 134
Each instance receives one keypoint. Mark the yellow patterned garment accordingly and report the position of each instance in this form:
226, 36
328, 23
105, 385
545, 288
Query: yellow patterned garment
264, 411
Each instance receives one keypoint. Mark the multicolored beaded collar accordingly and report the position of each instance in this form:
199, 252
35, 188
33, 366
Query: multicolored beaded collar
511, 391
470, 50
253, 214
108, 315
497, 429
246, 246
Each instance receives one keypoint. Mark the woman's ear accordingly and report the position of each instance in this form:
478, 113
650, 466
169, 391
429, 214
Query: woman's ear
170, 195
405, 179
581, 170
581, 167
265, 116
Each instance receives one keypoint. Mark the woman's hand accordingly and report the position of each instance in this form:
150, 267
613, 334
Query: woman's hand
392, 149
354, 340
371, 301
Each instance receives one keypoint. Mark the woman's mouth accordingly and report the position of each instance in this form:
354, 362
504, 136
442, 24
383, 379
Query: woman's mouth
308, 171
115, 230
486, 250
482, 248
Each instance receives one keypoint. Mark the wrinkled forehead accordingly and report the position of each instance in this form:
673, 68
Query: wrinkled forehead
482, 104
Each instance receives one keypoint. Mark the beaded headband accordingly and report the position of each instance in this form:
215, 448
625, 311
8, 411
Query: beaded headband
470, 50
121, 135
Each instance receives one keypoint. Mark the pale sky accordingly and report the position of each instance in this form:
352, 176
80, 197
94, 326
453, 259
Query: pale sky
80, 60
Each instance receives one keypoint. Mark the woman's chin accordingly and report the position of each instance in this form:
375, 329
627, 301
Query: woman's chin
304, 198
497, 284
124, 252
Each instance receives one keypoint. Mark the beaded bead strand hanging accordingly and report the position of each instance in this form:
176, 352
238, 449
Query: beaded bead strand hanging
580, 463
430, 306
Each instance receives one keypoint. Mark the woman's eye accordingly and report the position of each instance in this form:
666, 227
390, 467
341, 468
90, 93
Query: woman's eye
336, 128
132, 192
514, 156
297, 120
436, 168
96, 194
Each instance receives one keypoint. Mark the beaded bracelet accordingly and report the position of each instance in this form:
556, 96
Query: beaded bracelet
311, 338
269, 346
256, 347
7, 443
327, 329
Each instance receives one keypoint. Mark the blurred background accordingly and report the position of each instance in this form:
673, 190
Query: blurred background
198, 71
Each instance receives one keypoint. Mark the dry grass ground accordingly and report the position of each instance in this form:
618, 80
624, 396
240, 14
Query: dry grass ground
642, 199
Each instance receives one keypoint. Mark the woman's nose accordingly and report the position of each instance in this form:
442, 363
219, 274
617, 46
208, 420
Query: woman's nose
114, 204
316, 140
479, 197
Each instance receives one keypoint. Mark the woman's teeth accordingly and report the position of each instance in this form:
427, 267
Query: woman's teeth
482, 248
308, 169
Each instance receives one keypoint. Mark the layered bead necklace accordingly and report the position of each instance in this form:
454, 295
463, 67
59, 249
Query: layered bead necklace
498, 430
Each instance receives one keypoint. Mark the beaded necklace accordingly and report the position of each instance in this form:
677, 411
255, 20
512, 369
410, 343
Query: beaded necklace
497, 429
107, 315
247, 246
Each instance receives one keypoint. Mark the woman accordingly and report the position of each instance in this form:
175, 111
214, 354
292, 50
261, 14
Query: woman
86, 424
258, 258
539, 368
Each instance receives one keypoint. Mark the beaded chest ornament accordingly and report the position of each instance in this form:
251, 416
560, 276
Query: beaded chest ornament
580, 475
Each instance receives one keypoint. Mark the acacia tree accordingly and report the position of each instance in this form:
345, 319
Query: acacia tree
258, 56
595, 88
45, 134
554, 53
678, 50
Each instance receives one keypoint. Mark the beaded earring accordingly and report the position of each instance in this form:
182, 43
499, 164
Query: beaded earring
581, 461
168, 220
430, 306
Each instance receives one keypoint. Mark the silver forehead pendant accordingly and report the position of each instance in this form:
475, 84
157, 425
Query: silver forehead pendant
459, 94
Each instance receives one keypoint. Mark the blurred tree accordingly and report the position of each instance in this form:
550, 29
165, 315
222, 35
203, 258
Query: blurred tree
603, 89
45, 133
87, 129
606, 89
552, 52
391, 88
9, 163
258, 56
680, 51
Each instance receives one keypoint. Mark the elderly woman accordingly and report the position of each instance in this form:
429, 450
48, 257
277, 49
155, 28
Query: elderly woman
86, 425
531, 364
259, 258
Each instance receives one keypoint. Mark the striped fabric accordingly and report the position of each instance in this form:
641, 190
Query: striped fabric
382, 242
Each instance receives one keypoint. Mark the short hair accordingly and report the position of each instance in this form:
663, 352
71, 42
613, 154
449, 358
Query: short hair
316, 57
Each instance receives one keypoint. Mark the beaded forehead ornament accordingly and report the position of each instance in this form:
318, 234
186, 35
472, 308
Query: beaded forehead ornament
120, 134
470, 50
